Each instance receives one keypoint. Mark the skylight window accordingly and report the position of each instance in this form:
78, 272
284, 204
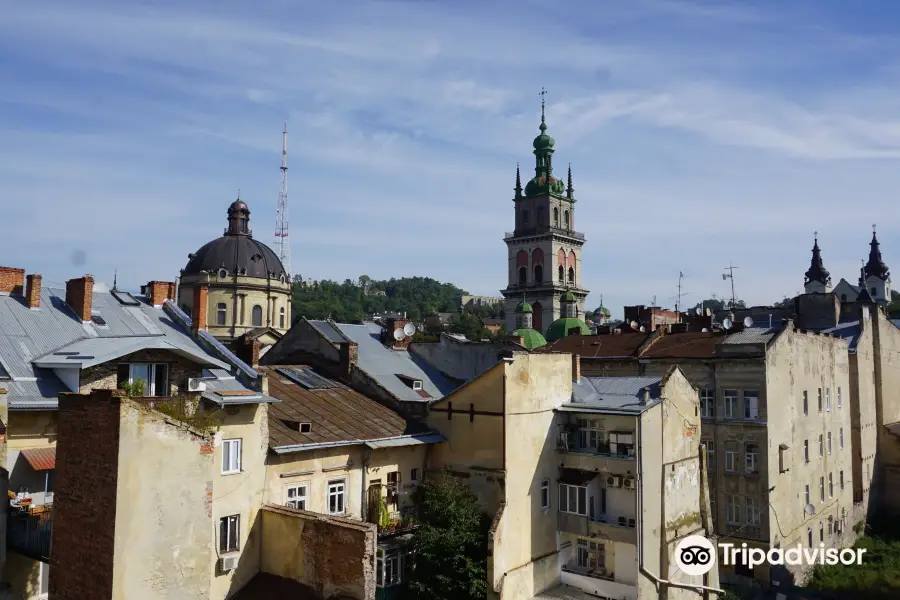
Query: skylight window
98, 320
125, 298
306, 377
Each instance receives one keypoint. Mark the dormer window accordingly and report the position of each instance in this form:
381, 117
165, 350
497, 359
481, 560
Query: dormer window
299, 426
411, 382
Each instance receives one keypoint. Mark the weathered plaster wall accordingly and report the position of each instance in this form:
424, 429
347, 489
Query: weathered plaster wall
299, 344
315, 468
461, 361
863, 421
239, 494
887, 386
105, 376
163, 541
332, 557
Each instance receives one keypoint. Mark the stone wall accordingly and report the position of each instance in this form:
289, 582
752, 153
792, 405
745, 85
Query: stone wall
332, 557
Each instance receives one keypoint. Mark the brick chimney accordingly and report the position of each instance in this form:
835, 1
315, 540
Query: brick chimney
80, 296
11, 280
576, 368
33, 291
160, 291
248, 351
349, 352
199, 310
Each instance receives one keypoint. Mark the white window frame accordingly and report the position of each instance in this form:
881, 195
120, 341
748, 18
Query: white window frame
751, 405
231, 456
573, 496
232, 541
827, 399
298, 500
337, 489
733, 509
839, 401
150, 386
708, 403
752, 511
221, 314
829, 443
545, 494
589, 434
731, 457
751, 459
731, 404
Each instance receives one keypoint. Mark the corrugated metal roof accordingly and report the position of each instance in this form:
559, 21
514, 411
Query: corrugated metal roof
215, 387
751, 335
407, 440
27, 335
336, 415
40, 459
385, 364
620, 394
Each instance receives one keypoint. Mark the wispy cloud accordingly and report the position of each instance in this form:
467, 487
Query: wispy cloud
699, 132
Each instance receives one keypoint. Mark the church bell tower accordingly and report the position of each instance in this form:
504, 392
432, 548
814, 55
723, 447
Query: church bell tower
544, 249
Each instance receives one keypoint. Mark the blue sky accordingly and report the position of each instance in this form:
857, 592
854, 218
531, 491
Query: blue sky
699, 133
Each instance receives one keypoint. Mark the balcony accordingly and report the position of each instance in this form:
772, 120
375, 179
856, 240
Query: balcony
28, 532
597, 581
573, 523
616, 529
543, 231
568, 443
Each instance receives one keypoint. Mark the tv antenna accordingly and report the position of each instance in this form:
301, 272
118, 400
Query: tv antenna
282, 244
730, 275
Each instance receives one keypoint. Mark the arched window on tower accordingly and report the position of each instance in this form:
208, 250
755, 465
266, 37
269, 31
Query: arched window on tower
221, 313
571, 275
537, 261
561, 274
256, 316
281, 317
521, 267
538, 273
523, 275
537, 319
524, 217
566, 219
555, 217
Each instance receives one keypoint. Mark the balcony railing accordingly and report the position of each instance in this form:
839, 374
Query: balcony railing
572, 523
542, 230
29, 534
568, 442
596, 573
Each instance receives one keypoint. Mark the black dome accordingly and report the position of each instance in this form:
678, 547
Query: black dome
239, 255
236, 251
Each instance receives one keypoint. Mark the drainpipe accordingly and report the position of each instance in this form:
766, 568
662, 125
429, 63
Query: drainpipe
363, 476
640, 495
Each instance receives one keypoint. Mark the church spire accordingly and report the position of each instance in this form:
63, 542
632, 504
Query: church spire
864, 296
876, 267
543, 181
518, 187
817, 271
570, 190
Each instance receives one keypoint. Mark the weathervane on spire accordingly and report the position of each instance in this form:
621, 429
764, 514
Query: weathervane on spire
542, 94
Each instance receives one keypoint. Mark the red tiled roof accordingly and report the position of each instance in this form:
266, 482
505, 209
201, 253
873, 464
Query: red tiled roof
690, 344
40, 459
608, 345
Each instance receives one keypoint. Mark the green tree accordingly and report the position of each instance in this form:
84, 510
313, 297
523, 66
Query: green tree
450, 544
715, 304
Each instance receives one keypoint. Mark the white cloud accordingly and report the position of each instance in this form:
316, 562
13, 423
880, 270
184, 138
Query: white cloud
687, 151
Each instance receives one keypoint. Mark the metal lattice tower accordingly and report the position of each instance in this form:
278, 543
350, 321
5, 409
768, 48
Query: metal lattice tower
282, 243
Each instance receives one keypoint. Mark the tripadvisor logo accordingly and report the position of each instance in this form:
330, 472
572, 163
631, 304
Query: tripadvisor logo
696, 555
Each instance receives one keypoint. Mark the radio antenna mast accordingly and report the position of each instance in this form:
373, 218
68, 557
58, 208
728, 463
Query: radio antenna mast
678, 302
282, 243
730, 275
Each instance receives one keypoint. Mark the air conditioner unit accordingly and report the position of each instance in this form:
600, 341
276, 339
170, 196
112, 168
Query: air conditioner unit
613, 481
195, 384
228, 563
629, 483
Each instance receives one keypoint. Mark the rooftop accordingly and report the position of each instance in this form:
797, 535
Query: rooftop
317, 412
623, 345
614, 394
392, 369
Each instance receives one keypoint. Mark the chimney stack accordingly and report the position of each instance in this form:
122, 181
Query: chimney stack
80, 296
576, 368
199, 309
349, 354
160, 291
11, 280
33, 291
646, 399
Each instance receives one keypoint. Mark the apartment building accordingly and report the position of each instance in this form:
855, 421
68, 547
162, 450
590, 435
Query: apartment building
776, 424
591, 481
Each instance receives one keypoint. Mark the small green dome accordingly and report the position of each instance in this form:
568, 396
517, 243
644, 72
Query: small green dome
531, 338
539, 185
524, 307
568, 297
560, 328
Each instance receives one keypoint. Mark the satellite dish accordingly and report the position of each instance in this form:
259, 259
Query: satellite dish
705, 330
727, 323
633, 324
409, 329
643, 329
810, 509
748, 321
399, 335
708, 312
699, 311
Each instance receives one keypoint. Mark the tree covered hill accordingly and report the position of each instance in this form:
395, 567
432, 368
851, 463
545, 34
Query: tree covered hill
350, 301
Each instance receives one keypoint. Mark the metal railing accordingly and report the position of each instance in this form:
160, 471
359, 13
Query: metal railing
542, 230
30, 534
568, 442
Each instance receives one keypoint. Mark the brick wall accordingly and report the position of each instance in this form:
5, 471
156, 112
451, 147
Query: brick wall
106, 375
330, 556
85, 505
11, 280
33, 291
80, 296
160, 291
